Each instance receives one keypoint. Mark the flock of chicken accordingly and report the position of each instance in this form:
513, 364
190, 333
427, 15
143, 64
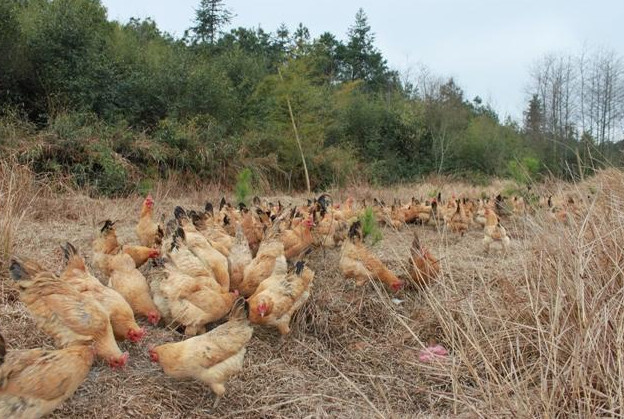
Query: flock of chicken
243, 264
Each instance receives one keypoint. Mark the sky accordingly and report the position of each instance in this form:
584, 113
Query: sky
487, 46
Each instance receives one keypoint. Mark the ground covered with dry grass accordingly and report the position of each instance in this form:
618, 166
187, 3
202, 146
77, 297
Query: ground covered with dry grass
539, 331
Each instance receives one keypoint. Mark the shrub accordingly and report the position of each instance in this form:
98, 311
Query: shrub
370, 228
243, 186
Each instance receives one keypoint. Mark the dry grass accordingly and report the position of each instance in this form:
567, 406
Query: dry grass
537, 332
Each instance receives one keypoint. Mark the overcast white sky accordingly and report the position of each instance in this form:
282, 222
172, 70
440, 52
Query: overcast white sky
488, 46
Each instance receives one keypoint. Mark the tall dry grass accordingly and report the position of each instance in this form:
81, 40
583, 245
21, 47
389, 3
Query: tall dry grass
18, 190
538, 332
546, 339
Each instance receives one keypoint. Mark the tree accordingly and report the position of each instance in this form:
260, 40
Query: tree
554, 78
362, 60
601, 94
210, 18
325, 57
447, 117
301, 38
534, 120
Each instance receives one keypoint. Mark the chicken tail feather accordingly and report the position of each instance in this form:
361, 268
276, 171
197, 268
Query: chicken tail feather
23, 270
240, 309
2, 349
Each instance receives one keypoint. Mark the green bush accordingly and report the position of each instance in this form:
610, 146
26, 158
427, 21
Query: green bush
243, 189
370, 227
525, 170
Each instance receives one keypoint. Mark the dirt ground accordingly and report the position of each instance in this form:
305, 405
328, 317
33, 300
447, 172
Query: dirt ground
353, 352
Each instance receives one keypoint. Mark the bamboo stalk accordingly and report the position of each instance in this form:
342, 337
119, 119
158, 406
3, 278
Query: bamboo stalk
292, 119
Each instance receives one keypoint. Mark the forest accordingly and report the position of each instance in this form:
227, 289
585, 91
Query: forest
116, 106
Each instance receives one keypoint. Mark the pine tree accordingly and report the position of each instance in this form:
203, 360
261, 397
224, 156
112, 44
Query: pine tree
363, 61
210, 18
534, 120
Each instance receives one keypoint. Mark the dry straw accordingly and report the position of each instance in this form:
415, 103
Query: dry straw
538, 332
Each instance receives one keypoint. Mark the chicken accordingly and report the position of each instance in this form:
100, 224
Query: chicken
212, 358
191, 303
199, 245
297, 240
459, 221
63, 313
359, 263
128, 281
269, 260
140, 254
331, 229
214, 233
119, 311
107, 245
519, 206
154, 276
558, 211
424, 267
186, 262
253, 229
494, 231
278, 297
347, 211
239, 258
34, 382
104, 246
150, 233
228, 217
479, 216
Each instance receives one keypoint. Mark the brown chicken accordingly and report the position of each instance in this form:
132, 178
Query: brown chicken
199, 245
253, 229
239, 258
119, 311
106, 245
211, 358
424, 267
194, 305
34, 382
298, 239
269, 260
140, 254
359, 263
186, 262
65, 314
279, 297
128, 281
458, 221
216, 235
494, 231
190, 301
331, 229
150, 233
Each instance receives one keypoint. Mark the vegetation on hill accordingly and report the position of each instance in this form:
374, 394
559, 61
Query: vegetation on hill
112, 104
